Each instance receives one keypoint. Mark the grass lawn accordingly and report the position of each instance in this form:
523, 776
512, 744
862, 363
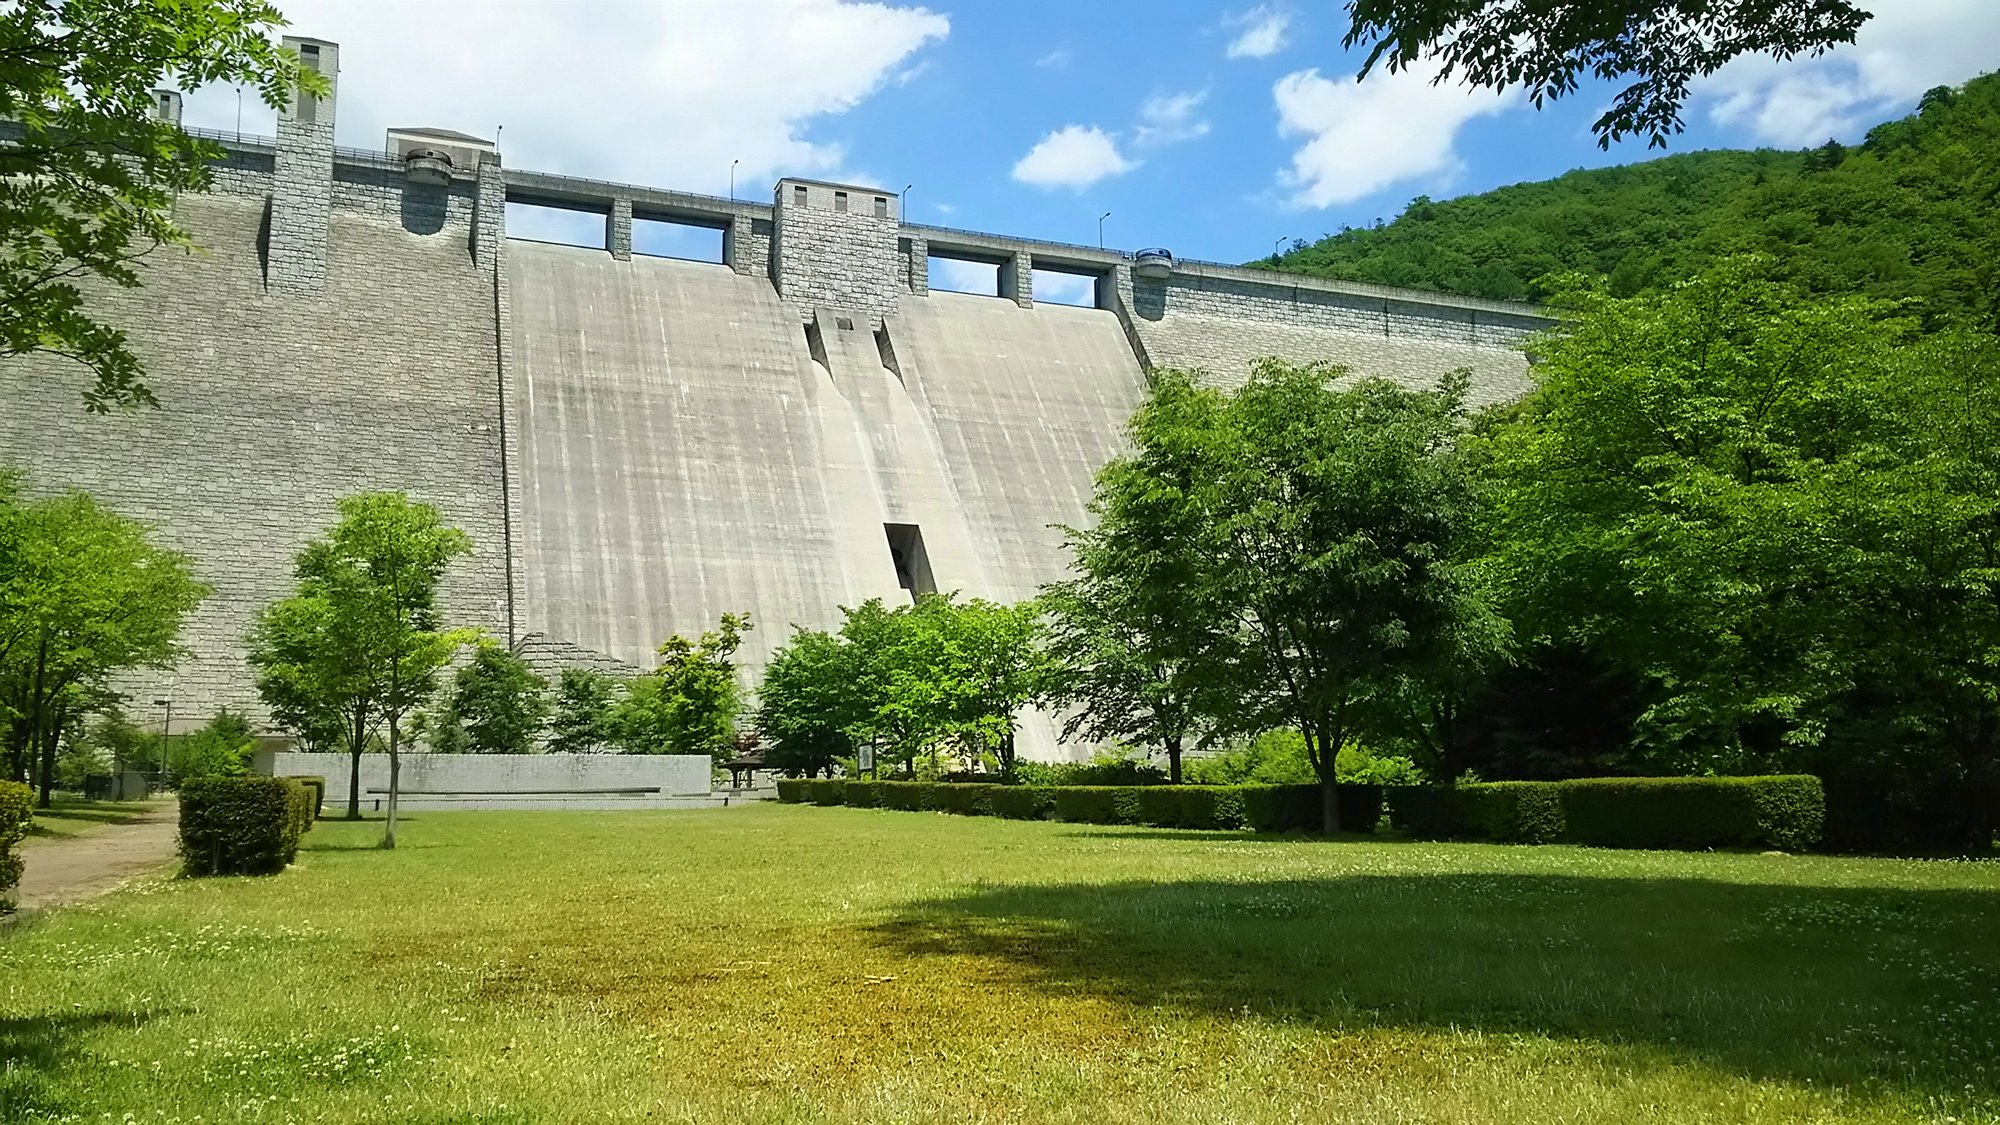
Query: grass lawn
73, 816
799, 964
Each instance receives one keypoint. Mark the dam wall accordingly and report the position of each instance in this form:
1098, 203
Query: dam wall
635, 444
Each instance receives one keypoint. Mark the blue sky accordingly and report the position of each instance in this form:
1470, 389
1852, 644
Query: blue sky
1212, 129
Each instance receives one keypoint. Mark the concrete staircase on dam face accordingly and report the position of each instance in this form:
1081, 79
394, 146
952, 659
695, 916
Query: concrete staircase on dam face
637, 445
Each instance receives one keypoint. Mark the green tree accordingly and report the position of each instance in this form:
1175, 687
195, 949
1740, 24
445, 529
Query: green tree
364, 637
585, 703
315, 674
965, 669
83, 594
1668, 497
89, 173
219, 749
1139, 648
1549, 46
500, 703
1329, 522
808, 702
689, 703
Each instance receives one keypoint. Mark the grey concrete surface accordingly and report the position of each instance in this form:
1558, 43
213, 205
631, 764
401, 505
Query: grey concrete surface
438, 782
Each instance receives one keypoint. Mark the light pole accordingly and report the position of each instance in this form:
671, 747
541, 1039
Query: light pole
1100, 229
166, 728
903, 216
732, 178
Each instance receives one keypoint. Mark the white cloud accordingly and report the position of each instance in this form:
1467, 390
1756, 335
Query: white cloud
1909, 47
1056, 59
1074, 157
1167, 119
653, 94
1263, 34
1362, 137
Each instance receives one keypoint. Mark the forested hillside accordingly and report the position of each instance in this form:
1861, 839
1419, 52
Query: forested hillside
1909, 214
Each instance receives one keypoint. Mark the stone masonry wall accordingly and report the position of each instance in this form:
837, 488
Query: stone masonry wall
845, 259
275, 404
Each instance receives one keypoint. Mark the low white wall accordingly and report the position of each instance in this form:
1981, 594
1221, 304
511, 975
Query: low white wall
507, 781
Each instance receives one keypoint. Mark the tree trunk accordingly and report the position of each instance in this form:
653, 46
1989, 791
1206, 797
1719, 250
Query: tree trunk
38, 720
50, 752
1325, 755
395, 772
354, 767
1174, 760
1007, 753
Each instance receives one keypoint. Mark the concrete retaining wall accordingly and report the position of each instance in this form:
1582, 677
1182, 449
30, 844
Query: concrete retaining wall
438, 782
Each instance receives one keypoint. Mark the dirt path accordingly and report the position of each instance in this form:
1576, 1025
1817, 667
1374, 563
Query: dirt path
65, 870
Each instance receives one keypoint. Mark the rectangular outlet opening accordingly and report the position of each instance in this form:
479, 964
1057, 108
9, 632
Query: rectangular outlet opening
958, 275
564, 226
1062, 287
913, 563
659, 237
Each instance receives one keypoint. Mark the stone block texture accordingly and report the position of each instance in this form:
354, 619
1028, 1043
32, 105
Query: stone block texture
302, 187
836, 245
271, 408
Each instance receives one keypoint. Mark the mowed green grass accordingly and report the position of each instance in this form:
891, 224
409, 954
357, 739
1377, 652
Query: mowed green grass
798, 964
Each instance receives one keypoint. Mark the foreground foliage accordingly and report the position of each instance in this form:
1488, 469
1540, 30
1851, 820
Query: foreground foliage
90, 170
1779, 522
766, 965
1548, 48
84, 593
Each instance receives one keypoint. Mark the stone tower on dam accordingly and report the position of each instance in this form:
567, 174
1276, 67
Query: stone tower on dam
638, 444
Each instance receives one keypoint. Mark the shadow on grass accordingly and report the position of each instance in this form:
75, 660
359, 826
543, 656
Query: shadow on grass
1854, 988
86, 814
36, 1048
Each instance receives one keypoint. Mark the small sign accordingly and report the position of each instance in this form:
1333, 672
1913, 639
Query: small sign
867, 757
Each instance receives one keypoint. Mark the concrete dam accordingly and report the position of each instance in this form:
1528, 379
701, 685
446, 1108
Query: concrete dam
637, 444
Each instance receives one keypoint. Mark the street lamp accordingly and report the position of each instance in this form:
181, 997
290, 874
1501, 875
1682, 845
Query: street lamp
1100, 229
732, 178
166, 728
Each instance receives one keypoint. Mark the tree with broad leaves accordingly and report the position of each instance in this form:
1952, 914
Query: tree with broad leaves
83, 593
1326, 523
88, 170
364, 635
807, 704
584, 704
1548, 46
1137, 652
498, 702
689, 703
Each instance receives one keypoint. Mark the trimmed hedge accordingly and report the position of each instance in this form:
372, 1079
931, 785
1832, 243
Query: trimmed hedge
1265, 808
316, 787
242, 825
1685, 813
17, 811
